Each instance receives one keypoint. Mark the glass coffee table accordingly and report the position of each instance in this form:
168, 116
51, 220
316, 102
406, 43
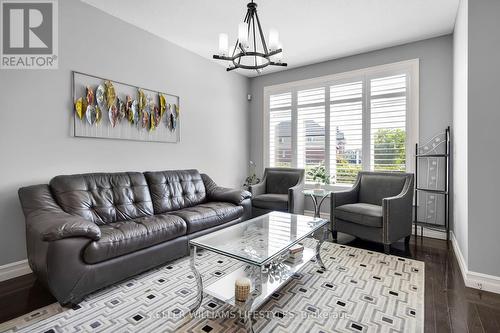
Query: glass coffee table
262, 245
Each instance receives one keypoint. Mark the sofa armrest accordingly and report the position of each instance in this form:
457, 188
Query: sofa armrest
397, 213
258, 189
218, 193
296, 199
48, 220
345, 197
54, 226
234, 196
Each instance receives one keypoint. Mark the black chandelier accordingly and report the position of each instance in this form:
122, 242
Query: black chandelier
247, 53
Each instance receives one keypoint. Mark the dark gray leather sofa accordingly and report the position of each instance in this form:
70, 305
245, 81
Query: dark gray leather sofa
377, 208
85, 232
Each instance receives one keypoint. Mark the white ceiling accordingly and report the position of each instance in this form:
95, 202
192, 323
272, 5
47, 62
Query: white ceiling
310, 30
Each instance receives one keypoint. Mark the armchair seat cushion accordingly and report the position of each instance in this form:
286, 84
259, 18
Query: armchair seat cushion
124, 237
271, 201
361, 213
208, 215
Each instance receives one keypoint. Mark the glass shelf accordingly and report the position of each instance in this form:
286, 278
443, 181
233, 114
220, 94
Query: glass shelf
223, 289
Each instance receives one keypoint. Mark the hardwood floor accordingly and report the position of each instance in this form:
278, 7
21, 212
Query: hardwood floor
449, 305
22, 295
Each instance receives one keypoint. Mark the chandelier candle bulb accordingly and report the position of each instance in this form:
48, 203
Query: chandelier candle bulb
242, 289
243, 34
223, 44
273, 39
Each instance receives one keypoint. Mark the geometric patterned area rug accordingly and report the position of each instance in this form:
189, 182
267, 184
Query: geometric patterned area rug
361, 291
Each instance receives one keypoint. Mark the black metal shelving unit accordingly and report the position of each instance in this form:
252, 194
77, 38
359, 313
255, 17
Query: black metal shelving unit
445, 191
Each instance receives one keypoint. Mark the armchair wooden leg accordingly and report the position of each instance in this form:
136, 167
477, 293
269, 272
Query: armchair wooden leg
387, 248
334, 236
407, 240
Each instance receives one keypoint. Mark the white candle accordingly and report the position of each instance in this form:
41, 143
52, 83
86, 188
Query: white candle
223, 44
242, 289
274, 39
243, 34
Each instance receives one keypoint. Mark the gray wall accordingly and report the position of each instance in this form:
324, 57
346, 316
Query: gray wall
435, 86
459, 134
483, 138
36, 112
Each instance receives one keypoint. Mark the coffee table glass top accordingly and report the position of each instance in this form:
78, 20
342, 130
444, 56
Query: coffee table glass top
260, 239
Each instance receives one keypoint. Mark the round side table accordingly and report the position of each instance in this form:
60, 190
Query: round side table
317, 198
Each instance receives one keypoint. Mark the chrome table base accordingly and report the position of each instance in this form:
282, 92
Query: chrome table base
322, 238
199, 282
255, 274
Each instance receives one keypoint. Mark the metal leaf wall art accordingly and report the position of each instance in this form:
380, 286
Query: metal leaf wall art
142, 110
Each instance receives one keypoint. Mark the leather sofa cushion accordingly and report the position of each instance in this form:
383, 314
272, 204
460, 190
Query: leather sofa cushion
103, 197
361, 213
208, 215
375, 187
173, 190
129, 236
271, 201
280, 181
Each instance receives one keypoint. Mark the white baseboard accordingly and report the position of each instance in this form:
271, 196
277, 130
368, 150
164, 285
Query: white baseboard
472, 279
431, 233
14, 269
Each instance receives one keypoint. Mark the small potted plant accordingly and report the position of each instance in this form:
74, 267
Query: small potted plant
252, 178
319, 176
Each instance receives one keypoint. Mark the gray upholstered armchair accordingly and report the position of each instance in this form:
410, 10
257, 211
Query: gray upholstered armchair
281, 190
377, 208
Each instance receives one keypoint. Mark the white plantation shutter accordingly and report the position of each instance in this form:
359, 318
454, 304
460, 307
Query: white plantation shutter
280, 101
388, 123
346, 131
310, 128
280, 130
362, 120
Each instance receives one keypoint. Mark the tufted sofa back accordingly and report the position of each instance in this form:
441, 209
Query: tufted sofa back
103, 197
175, 189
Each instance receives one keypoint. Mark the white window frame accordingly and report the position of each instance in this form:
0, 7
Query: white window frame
408, 67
